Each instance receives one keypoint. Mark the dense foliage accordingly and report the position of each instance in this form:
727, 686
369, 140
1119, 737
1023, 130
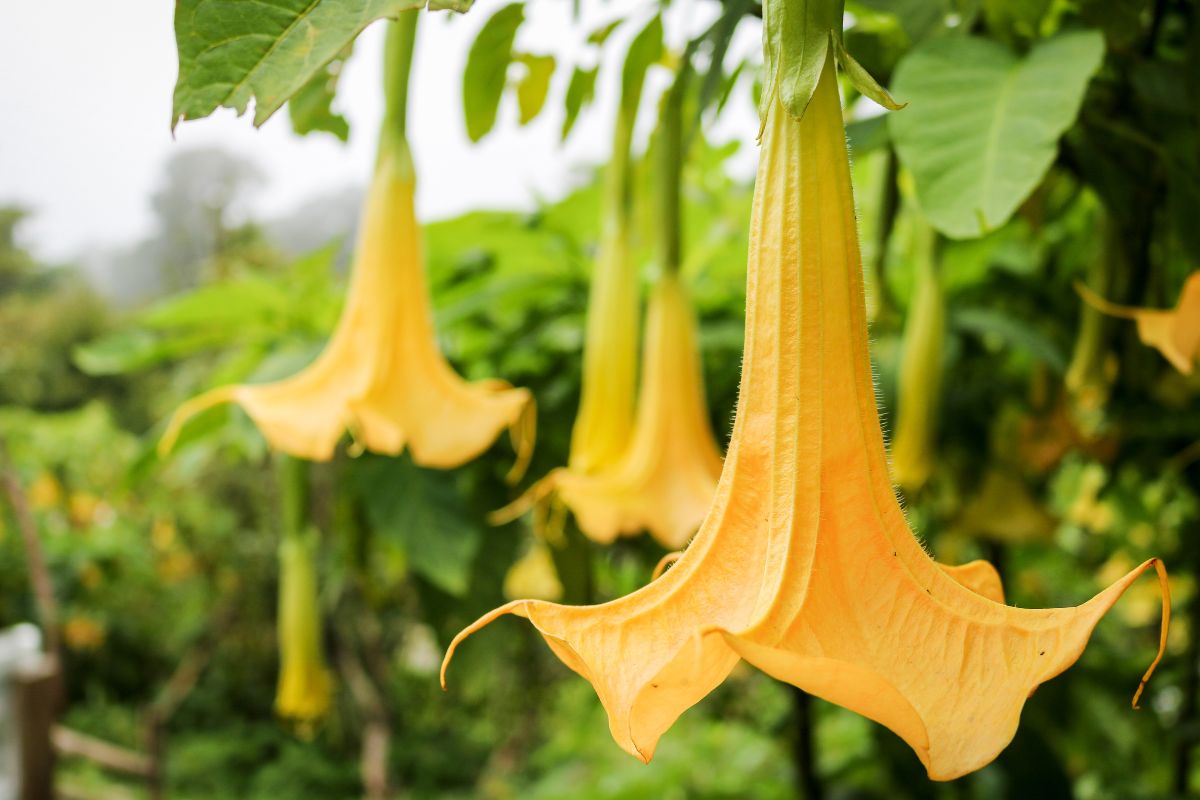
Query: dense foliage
1044, 143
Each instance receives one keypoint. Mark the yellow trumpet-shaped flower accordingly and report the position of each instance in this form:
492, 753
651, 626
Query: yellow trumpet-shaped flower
1174, 332
304, 689
665, 479
805, 565
381, 374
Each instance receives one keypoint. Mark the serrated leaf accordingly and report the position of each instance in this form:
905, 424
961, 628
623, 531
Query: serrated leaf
534, 85
422, 511
311, 108
235, 51
983, 124
487, 68
580, 92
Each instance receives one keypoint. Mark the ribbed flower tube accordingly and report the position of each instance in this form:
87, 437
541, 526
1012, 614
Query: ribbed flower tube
805, 565
382, 375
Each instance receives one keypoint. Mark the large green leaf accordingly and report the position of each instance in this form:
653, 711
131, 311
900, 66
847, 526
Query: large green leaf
983, 124
487, 68
235, 51
422, 511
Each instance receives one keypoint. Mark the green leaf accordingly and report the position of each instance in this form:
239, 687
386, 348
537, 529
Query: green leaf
532, 89
487, 68
796, 35
233, 52
862, 80
917, 18
422, 511
865, 135
235, 303
645, 49
1017, 333
129, 351
580, 92
311, 108
983, 124
600, 35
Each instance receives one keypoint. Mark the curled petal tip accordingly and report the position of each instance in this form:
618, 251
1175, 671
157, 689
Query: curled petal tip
1165, 588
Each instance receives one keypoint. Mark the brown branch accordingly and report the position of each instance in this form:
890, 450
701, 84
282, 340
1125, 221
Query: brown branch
68, 742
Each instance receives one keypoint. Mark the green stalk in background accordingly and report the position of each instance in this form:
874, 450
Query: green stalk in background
920, 389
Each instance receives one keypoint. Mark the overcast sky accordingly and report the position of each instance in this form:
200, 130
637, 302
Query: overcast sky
85, 104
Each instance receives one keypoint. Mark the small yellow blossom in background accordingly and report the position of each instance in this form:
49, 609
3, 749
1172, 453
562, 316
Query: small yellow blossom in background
45, 492
534, 575
176, 567
81, 633
82, 508
90, 576
162, 534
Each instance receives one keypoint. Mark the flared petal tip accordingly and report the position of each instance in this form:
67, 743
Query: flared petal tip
189, 409
523, 435
1164, 586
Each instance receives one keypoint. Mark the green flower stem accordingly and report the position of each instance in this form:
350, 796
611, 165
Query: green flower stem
397, 71
671, 156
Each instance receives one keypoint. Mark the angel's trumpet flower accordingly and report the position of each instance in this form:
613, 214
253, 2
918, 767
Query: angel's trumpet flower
664, 477
1174, 332
920, 369
303, 693
805, 565
665, 480
382, 375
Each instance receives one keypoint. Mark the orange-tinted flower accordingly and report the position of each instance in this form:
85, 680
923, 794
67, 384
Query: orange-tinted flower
805, 565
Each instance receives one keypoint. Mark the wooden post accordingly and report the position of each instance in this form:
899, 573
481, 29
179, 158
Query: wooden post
35, 695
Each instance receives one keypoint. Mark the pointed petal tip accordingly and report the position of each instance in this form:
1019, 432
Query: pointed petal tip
1165, 587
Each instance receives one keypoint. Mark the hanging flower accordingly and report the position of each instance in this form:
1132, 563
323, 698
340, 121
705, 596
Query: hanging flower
1173, 332
665, 479
805, 566
382, 375
304, 689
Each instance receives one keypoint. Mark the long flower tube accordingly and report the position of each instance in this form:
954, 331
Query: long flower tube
805, 565
382, 375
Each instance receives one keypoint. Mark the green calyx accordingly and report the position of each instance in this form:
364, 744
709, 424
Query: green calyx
798, 36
